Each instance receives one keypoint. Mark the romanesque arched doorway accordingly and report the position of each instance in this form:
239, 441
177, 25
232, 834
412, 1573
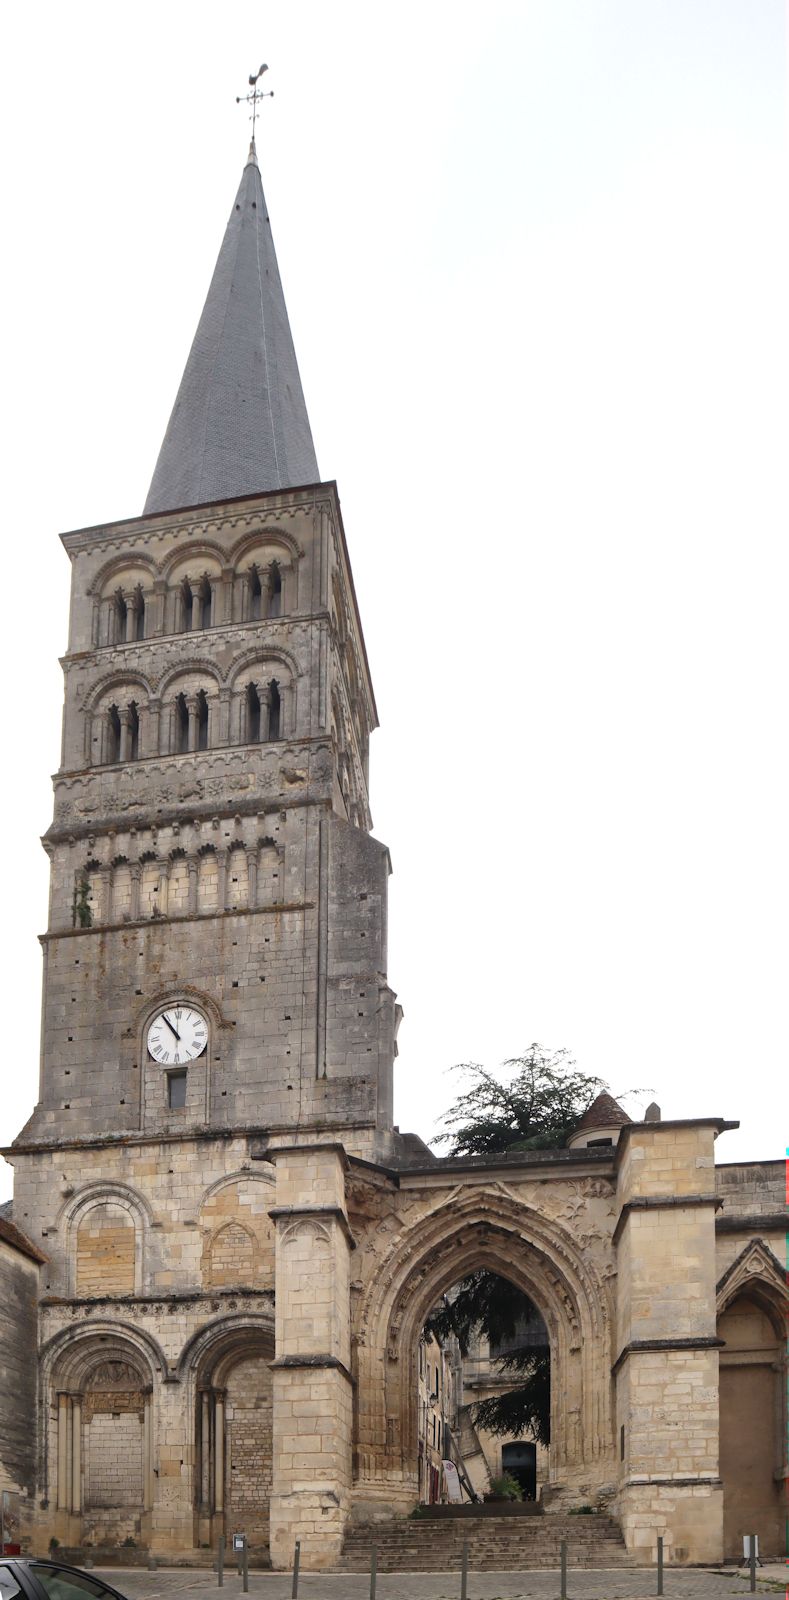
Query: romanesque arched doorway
233, 1425
100, 1439
532, 1250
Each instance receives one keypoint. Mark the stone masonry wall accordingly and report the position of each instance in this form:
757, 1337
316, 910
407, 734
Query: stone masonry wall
18, 1337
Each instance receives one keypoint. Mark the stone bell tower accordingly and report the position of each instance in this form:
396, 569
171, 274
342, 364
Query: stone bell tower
217, 1024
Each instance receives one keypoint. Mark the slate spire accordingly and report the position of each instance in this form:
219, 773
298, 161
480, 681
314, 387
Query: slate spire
239, 424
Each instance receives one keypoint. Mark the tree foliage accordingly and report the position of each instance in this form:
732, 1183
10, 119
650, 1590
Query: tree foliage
535, 1107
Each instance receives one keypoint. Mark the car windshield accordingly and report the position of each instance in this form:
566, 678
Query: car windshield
61, 1584
8, 1585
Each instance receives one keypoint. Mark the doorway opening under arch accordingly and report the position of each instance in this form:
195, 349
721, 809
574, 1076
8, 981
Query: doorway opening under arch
483, 1394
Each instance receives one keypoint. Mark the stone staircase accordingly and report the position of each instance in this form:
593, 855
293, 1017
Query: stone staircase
495, 1544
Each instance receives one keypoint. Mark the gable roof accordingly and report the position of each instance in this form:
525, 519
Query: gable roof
18, 1240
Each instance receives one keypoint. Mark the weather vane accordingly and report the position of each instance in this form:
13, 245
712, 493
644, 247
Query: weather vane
255, 95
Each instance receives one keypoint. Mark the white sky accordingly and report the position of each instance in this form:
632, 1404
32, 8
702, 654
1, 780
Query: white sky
535, 257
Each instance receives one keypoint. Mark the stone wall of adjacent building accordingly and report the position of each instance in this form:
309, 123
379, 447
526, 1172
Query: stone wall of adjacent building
19, 1286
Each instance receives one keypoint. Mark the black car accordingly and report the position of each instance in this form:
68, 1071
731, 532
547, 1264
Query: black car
25, 1578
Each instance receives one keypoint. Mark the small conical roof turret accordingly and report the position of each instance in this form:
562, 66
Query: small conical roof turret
239, 424
600, 1123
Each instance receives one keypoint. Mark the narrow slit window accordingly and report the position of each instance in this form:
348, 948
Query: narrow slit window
275, 710
113, 735
181, 726
186, 606
120, 618
139, 616
202, 721
253, 714
206, 604
275, 591
134, 732
255, 595
176, 1090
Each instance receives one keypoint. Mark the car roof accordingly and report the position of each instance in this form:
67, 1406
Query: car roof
62, 1566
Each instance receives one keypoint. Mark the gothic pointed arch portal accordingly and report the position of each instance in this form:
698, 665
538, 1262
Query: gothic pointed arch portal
477, 1229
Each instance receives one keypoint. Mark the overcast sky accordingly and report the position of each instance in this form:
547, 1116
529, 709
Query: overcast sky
535, 257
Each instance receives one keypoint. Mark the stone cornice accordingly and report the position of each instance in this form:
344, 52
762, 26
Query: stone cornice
629, 1128
133, 650
313, 1363
658, 1202
281, 906
650, 1346
232, 805
200, 519
772, 1222
130, 1138
182, 1296
638, 1481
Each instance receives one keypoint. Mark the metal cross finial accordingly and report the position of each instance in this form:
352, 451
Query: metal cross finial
255, 95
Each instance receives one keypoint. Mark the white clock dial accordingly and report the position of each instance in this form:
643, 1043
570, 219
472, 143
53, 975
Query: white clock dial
179, 1034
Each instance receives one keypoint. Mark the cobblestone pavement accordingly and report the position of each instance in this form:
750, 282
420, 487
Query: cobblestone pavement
621, 1584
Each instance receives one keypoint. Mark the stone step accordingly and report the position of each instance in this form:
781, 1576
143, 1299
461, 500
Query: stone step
424, 1544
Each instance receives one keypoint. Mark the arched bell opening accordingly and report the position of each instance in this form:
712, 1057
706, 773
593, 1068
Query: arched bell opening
233, 1445
483, 1394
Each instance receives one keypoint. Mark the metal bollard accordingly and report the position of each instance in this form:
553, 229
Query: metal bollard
752, 1560
220, 1562
563, 1548
296, 1558
464, 1572
660, 1564
245, 1568
373, 1571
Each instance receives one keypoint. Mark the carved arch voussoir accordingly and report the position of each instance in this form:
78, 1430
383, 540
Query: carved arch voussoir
232, 1179
268, 657
266, 534
118, 564
181, 669
437, 1242
193, 550
116, 680
72, 1352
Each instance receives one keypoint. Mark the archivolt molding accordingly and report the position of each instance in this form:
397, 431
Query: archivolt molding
441, 1233
193, 550
228, 1335
182, 669
262, 1175
265, 655
123, 678
267, 534
96, 1193
70, 1355
174, 996
120, 564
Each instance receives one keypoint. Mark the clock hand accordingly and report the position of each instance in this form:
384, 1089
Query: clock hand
170, 1026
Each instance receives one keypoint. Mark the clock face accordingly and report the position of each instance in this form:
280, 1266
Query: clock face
179, 1034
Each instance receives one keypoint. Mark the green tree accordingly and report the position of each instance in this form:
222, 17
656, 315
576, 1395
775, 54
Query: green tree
535, 1107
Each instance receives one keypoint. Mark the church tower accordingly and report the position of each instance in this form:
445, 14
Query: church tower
218, 1031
